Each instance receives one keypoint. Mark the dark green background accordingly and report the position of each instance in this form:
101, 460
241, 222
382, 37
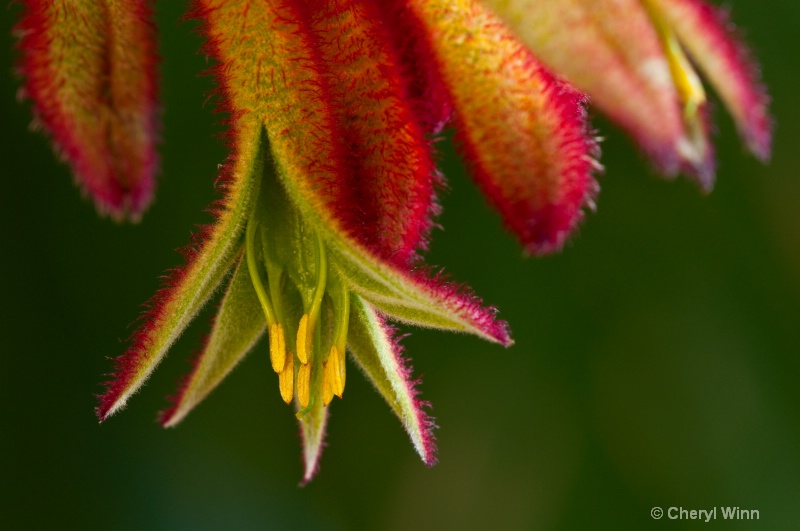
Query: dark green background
656, 361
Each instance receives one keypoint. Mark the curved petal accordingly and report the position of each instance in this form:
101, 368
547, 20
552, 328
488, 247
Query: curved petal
589, 43
385, 196
373, 346
90, 70
237, 327
424, 87
711, 42
524, 132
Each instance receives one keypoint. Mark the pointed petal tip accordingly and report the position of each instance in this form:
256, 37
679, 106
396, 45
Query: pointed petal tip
167, 419
425, 444
112, 401
310, 468
501, 333
458, 299
173, 414
101, 414
548, 230
758, 140
703, 171
124, 381
209, 257
121, 206
700, 169
485, 319
422, 429
312, 434
118, 389
731, 67
309, 473
704, 175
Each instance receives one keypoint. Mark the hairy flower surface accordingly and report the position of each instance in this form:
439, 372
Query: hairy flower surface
330, 188
90, 70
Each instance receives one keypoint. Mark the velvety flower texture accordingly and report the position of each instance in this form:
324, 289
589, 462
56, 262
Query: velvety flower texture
330, 188
90, 71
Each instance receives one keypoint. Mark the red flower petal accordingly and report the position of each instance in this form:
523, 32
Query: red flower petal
90, 69
524, 132
384, 192
425, 90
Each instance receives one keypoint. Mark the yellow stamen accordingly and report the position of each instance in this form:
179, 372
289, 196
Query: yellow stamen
303, 341
690, 88
342, 372
304, 384
336, 362
286, 379
327, 386
308, 323
277, 347
340, 297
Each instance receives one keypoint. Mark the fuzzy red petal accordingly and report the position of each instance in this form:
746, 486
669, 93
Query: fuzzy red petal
425, 89
90, 70
524, 132
384, 194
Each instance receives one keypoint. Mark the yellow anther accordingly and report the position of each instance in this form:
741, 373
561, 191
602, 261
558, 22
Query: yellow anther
327, 387
303, 340
342, 372
286, 379
336, 363
304, 384
277, 347
690, 88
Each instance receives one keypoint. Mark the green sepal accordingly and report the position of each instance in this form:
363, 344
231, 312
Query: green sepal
237, 327
312, 429
416, 298
178, 304
377, 354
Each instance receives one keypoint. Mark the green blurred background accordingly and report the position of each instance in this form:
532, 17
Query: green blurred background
656, 361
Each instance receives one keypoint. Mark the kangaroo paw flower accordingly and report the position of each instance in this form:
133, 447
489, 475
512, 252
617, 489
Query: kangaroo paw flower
330, 188
90, 70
